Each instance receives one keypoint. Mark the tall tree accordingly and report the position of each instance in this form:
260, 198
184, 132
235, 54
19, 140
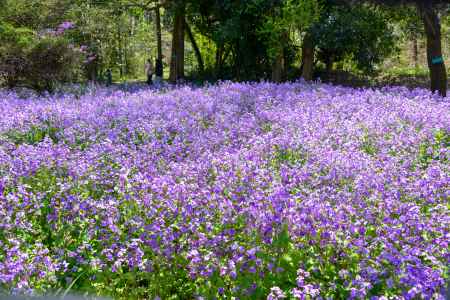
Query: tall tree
356, 32
436, 65
307, 57
287, 17
415, 51
159, 70
177, 57
197, 52
427, 10
150, 6
233, 26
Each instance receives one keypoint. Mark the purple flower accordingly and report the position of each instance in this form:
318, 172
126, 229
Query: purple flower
236, 180
276, 293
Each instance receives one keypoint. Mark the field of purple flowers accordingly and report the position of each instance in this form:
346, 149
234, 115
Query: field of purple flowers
244, 191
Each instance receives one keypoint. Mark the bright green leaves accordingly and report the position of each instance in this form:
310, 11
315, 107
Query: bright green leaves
21, 36
287, 156
442, 137
430, 149
35, 134
284, 20
368, 145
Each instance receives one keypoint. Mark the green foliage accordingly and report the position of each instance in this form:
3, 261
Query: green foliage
429, 150
359, 33
40, 64
233, 26
289, 16
52, 60
32, 55
14, 44
238, 40
288, 157
368, 145
115, 38
22, 37
408, 20
34, 51
34, 135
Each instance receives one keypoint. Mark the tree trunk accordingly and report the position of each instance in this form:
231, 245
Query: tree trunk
307, 57
438, 75
328, 67
238, 61
92, 70
177, 61
226, 53
133, 25
159, 69
415, 51
219, 61
120, 49
278, 67
197, 52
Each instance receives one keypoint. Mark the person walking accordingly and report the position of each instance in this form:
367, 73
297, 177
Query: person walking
149, 71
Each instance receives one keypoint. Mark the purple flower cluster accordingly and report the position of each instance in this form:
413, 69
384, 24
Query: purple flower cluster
59, 30
66, 25
254, 190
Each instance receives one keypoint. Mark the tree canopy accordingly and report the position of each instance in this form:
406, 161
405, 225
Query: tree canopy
239, 40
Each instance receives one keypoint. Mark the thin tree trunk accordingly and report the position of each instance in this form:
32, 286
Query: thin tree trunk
159, 69
307, 57
197, 52
237, 61
278, 67
436, 65
92, 70
180, 56
226, 54
120, 50
219, 55
328, 67
177, 61
415, 51
133, 25
125, 53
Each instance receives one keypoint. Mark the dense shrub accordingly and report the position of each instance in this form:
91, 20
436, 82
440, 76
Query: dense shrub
52, 61
37, 61
357, 34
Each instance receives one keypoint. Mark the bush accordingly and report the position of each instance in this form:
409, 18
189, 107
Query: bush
52, 60
13, 45
37, 62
